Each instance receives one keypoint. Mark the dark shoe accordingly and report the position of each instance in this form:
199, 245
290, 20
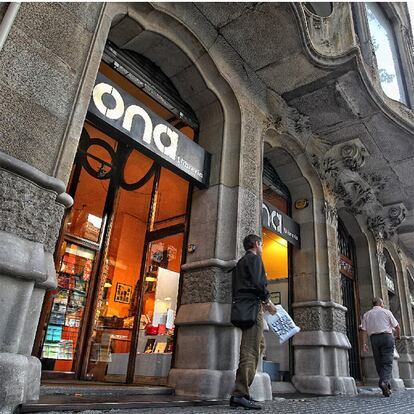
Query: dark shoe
386, 389
243, 402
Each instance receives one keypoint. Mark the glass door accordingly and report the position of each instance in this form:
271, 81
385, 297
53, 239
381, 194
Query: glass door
151, 361
119, 277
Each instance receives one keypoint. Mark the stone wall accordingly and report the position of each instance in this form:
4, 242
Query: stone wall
41, 65
31, 209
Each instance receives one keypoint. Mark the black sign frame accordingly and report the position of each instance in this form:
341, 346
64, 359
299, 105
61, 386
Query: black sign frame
191, 161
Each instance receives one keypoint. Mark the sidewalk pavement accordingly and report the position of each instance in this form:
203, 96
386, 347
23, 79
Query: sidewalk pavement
367, 402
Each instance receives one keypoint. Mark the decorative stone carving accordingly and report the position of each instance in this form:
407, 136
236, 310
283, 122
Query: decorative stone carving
340, 168
377, 226
210, 284
29, 211
396, 215
353, 156
318, 318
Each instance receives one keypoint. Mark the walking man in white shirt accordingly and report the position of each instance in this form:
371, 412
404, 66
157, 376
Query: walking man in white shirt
379, 323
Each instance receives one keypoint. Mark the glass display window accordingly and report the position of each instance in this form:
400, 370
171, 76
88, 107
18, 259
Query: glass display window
111, 318
67, 309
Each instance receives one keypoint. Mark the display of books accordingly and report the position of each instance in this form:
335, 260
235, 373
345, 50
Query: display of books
57, 318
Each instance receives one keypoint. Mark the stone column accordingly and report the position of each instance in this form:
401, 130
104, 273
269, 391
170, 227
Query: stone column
321, 348
31, 208
405, 348
207, 353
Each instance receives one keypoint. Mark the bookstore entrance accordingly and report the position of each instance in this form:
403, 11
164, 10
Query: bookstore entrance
118, 261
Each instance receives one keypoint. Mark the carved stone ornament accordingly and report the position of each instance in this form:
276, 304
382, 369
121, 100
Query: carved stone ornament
340, 168
210, 284
320, 319
285, 119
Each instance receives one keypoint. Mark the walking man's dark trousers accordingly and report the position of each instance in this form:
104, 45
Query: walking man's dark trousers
383, 352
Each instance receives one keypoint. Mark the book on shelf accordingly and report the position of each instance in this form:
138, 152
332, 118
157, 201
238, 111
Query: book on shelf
160, 347
149, 346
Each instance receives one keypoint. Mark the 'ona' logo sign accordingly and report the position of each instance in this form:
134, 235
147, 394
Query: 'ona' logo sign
132, 111
124, 116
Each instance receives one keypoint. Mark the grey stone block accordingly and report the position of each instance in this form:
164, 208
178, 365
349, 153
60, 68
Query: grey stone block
325, 385
14, 302
124, 31
28, 143
204, 313
33, 72
246, 36
86, 13
204, 383
19, 380
209, 347
48, 24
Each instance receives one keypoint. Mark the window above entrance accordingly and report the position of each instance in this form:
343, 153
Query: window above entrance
386, 51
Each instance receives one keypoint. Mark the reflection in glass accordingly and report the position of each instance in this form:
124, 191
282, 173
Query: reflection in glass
85, 217
171, 200
386, 52
159, 307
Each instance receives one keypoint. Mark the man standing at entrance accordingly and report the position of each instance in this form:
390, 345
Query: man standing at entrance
250, 283
378, 324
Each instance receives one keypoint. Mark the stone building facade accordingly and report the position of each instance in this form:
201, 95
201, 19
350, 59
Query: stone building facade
299, 86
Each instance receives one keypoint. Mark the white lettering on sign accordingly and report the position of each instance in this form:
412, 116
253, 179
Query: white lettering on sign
150, 131
189, 167
98, 92
274, 219
129, 117
170, 150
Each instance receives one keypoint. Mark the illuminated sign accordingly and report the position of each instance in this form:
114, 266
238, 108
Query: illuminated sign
281, 224
125, 116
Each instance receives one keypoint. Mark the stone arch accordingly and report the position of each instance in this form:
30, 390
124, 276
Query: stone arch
289, 160
204, 311
316, 291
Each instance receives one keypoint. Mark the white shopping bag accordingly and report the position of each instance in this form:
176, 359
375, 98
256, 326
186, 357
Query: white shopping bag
281, 324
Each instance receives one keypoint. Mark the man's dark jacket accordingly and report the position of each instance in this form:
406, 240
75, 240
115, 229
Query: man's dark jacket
250, 278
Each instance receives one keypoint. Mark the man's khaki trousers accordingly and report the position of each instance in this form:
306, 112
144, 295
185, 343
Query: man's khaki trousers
251, 347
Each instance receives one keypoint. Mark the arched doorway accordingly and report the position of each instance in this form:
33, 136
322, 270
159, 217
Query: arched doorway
282, 252
276, 254
111, 317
